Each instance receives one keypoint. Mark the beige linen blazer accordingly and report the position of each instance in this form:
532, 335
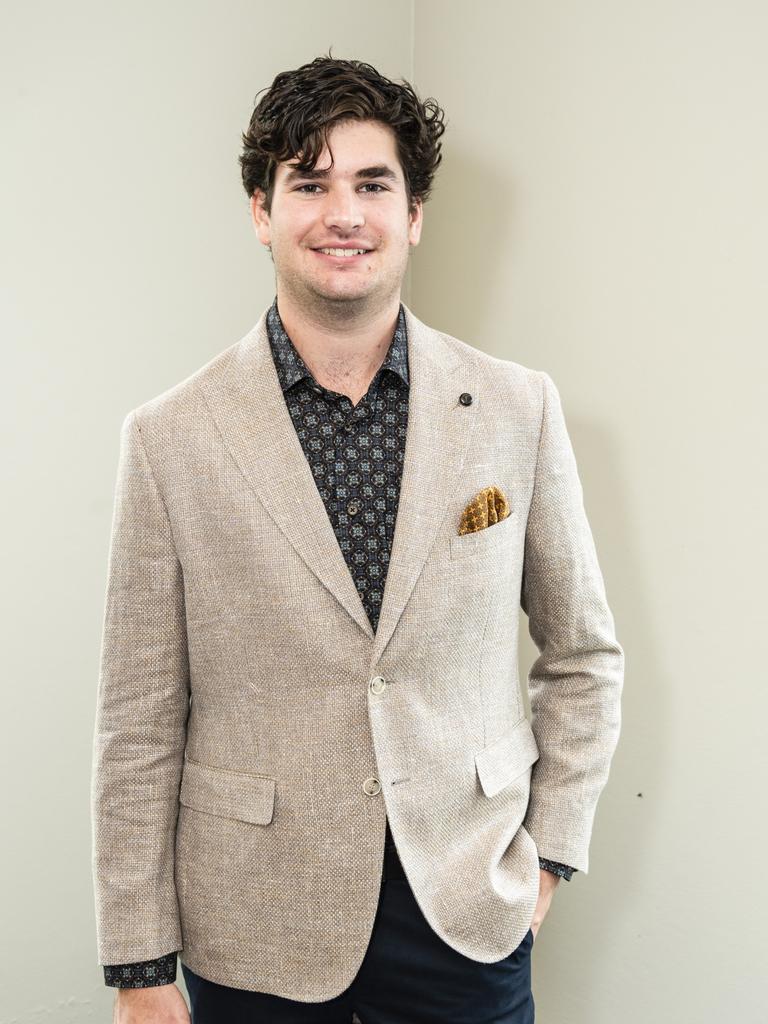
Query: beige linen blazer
252, 730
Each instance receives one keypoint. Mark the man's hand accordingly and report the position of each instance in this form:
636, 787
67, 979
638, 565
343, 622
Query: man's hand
548, 882
159, 1004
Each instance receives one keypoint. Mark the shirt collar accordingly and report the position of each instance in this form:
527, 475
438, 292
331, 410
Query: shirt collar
291, 367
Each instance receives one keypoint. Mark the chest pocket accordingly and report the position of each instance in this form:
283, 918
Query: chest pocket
490, 539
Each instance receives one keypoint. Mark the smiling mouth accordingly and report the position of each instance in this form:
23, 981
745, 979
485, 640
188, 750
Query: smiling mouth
342, 254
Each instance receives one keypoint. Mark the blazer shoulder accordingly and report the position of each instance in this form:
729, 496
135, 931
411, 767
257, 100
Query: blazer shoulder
183, 399
523, 382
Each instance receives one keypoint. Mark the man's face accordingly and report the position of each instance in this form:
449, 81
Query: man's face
358, 203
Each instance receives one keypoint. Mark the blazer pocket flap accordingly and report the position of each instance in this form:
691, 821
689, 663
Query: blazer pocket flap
507, 757
227, 793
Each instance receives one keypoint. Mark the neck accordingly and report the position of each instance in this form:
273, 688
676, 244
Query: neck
343, 346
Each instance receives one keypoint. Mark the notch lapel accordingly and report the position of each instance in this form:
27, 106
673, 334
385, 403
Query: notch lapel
248, 406
439, 436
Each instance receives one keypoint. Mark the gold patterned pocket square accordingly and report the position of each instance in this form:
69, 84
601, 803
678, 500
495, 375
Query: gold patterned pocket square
488, 506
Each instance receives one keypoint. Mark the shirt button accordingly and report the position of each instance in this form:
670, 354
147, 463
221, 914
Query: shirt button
377, 685
353, 507
371, 787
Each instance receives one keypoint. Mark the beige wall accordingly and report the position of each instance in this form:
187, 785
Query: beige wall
600, 214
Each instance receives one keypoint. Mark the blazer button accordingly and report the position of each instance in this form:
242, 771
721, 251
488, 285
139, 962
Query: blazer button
378, 684
465, 398
371, 787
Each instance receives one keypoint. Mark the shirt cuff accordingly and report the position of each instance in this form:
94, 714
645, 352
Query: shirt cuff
563, 870
144, 974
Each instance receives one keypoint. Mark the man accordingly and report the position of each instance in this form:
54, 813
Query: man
313, 775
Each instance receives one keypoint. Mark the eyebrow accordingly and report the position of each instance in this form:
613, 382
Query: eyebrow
377, 171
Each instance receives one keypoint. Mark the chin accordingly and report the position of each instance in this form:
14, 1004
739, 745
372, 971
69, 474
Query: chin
342, 294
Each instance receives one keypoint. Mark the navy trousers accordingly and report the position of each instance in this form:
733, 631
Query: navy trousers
408, 976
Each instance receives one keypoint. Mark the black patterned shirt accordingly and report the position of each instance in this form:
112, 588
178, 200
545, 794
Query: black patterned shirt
356, 455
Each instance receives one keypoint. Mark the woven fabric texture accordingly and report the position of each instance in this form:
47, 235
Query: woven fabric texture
253, 730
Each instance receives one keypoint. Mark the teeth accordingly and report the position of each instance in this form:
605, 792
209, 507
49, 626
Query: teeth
343, 252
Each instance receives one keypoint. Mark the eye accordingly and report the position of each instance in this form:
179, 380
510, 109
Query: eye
367, 185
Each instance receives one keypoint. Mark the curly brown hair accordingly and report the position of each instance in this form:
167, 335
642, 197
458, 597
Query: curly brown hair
301, 106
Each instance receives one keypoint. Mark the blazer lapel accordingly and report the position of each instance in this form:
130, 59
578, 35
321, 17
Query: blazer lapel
248, 406
440, 434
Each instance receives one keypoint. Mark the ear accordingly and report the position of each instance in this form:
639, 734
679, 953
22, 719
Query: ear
415, 220
259, 216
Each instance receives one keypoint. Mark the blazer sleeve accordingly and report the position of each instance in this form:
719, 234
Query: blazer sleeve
141, 716
575, 683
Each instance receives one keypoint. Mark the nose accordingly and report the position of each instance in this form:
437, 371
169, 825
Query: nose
343, 210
